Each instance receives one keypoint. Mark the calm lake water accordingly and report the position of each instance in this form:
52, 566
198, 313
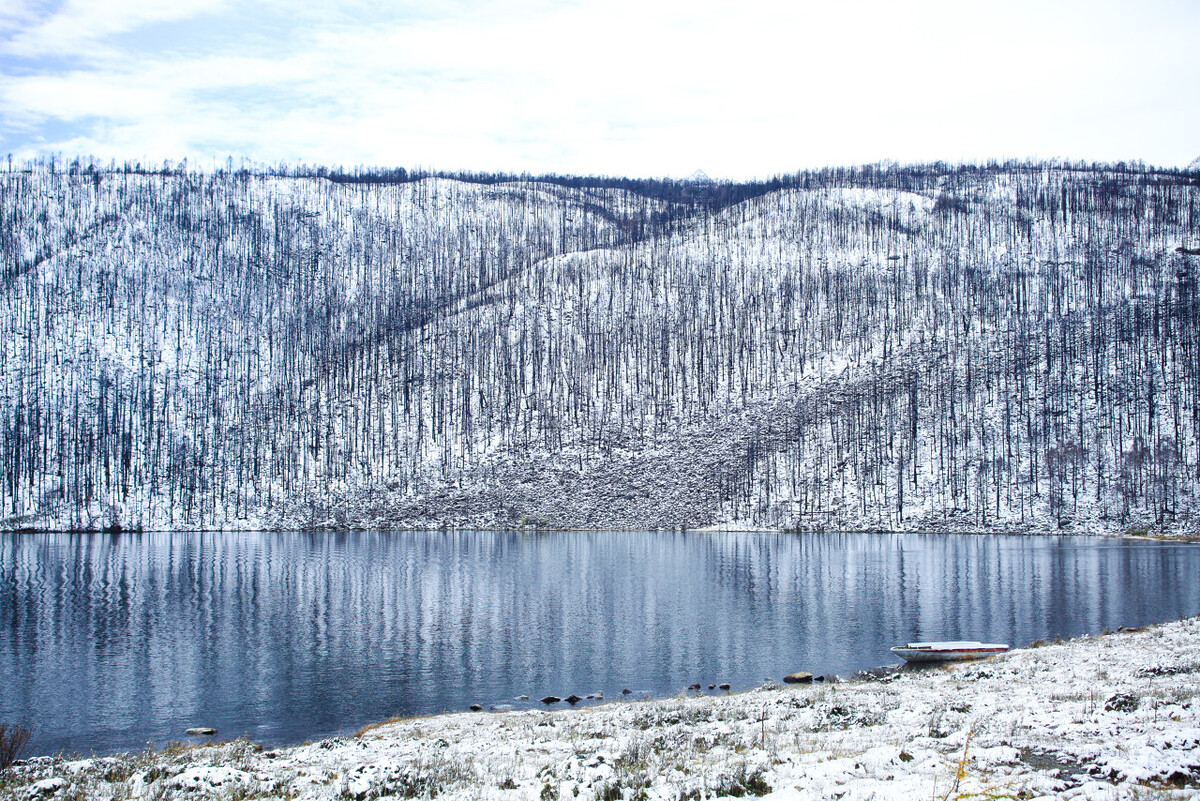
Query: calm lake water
110, 641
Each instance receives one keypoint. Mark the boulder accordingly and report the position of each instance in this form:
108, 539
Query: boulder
46, 787
723, 686
695, 686
626, 691
1122, 702
573, 699
475, 708
551, 699
206, 778
799, 677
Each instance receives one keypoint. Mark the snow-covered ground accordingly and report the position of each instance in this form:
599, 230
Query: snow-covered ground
1107, 717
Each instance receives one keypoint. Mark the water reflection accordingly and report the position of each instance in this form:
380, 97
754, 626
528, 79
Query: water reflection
107, 641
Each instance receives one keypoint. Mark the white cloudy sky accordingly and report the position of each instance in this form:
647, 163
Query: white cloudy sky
738, 88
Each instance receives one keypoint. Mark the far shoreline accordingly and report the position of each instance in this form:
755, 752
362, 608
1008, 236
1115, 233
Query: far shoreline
1186, 533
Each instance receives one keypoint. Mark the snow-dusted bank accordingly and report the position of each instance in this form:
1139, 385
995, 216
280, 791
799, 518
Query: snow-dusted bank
1111, 716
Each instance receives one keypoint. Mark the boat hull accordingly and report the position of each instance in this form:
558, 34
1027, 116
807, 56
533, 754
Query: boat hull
947, 652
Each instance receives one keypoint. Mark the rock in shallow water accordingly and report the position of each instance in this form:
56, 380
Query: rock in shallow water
200, 731
551, 699
799, 677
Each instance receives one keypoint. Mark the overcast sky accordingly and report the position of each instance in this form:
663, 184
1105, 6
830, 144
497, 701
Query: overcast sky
633, 87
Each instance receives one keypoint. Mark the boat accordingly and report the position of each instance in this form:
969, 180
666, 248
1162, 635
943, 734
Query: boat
955, 651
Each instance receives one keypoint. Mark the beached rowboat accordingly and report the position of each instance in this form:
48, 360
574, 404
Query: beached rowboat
947, 651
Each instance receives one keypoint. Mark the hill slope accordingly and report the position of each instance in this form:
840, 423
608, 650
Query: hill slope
909, 348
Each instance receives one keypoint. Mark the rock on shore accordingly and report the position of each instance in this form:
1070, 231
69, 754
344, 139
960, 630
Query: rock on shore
1106, 717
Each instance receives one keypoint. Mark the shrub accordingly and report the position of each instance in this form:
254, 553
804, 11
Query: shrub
743, 782
14, 738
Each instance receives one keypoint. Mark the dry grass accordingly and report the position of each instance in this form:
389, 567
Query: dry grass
370, 727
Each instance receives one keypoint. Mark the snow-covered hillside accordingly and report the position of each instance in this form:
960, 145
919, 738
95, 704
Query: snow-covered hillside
1010, 348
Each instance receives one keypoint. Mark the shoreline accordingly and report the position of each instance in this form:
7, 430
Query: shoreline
1108, 716
805, 626
1186, 534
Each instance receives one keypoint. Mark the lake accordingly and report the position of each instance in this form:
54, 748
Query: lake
110, 641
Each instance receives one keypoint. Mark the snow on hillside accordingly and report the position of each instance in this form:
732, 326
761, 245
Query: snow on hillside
1005, 348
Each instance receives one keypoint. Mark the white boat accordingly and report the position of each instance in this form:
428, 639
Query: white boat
955, 651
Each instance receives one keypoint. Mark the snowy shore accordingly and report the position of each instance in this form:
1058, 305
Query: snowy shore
1112, 716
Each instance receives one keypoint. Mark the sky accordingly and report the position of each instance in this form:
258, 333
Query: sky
618, 87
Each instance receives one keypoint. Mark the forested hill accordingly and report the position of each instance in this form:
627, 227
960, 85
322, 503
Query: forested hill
1012, 347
